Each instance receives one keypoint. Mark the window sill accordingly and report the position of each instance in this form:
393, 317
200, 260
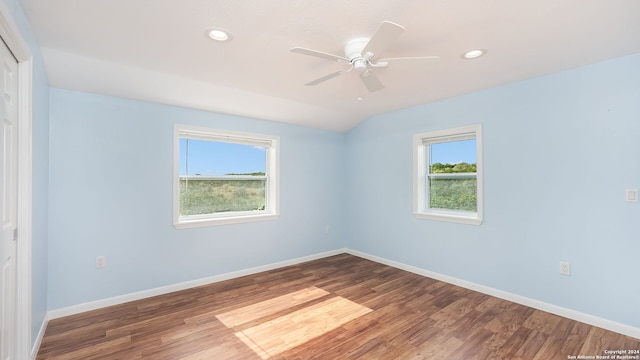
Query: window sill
193, 223
456, 218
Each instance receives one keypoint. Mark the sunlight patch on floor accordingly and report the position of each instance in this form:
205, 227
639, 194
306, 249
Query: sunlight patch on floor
283, 333
269, 307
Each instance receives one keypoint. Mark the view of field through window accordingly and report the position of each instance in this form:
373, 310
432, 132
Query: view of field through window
453, 176
218, 176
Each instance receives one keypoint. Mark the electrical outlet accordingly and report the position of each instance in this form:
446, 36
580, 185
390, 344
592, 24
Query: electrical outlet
101, 262
565, 268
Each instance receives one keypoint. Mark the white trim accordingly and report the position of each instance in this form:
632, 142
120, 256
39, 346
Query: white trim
536, 304
226, 220
421, 143
98, 304
272, 145
11, 35
38, 341
25, 205
456, 218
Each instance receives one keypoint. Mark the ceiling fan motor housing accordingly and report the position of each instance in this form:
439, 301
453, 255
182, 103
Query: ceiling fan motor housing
353, 51
353, 48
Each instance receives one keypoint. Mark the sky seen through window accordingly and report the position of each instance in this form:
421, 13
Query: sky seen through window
214, 158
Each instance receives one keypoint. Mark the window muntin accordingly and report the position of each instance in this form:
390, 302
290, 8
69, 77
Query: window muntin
224, 177
447, 180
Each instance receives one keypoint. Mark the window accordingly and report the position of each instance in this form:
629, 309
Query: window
448, 175
223, 177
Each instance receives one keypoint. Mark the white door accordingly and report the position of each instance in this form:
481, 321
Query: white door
9, 196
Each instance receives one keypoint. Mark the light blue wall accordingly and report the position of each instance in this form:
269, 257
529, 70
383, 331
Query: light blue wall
40, 158
111, 194
559, 152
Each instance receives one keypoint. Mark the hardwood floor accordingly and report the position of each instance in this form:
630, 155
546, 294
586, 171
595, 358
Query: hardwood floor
340, 307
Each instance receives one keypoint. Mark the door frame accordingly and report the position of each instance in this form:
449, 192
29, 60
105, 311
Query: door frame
12, 36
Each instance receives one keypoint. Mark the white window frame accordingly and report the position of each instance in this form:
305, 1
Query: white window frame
271, 210
420, 179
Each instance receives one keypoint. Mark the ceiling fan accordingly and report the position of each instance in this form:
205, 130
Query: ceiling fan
362, 55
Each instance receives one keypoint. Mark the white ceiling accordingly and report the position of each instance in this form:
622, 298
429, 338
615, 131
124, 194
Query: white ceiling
157, 50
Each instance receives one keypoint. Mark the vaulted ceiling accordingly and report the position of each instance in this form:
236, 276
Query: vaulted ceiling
158, 50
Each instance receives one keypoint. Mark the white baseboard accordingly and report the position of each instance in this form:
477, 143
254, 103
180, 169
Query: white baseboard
536, 304
98, 304
550, 308
36, 345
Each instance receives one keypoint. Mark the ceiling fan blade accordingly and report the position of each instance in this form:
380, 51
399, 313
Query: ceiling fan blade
320, 54
326, 77
381, 63
386, 34
371, 81
411, 58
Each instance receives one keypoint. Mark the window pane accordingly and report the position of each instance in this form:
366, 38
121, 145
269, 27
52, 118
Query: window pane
208, 177
206, 196
453, 157
453, 194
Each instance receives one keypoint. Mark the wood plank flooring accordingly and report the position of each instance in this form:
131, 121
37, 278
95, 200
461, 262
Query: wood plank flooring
340, 307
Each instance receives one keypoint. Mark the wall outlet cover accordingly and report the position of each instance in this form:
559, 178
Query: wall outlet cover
101, 262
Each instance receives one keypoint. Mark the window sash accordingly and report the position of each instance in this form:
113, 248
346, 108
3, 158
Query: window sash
223, 177
453, 175
443, 176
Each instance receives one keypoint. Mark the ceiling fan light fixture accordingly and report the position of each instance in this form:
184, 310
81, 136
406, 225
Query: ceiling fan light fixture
218, 35
474, 54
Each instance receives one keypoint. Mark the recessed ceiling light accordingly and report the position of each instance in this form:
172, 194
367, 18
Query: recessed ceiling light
473, 54
218, 34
